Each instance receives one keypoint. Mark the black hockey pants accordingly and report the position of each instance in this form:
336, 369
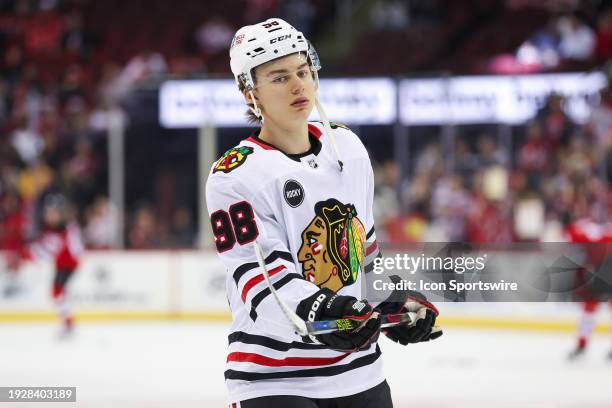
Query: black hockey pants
376, 397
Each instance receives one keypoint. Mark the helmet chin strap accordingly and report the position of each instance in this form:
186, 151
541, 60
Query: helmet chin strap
326, 126
255, 109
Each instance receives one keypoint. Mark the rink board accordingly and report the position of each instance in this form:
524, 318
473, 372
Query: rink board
190, 285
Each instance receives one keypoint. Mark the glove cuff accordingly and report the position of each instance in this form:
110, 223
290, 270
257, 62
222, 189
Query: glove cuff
311, 308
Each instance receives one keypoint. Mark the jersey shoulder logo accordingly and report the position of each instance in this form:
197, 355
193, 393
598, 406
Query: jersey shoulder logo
232, 159
333, 245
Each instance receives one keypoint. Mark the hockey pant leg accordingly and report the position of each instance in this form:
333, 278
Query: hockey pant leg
276, 401
375, 397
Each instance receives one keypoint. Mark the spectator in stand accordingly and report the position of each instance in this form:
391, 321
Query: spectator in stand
391, 15
465, 162
182, 233
144, 231
214, 36
386, 198
557, 126
577, 39
577, 159
533, 156
603, 47
430, 160
12, 67
77, 42
27, 142
259, 10
79, 172
450, 203
101, 224
489, 153
73, 86
487, 218
43, 30
298, 13
541, 50
600, 123
35, 179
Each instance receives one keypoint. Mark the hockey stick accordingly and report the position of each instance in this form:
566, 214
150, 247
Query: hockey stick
304, 328
330, 326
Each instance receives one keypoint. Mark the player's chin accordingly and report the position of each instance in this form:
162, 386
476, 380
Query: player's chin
301, 112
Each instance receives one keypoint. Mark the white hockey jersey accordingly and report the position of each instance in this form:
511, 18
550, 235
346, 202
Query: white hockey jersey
315, 226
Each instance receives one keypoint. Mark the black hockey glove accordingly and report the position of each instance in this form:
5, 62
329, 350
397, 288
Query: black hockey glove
403, 301
326, 305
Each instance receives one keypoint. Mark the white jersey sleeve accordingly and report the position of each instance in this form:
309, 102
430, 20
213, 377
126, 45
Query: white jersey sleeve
238, 220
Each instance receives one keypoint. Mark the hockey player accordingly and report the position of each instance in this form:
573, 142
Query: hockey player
597, 240
302, 192
59, 241
13, 224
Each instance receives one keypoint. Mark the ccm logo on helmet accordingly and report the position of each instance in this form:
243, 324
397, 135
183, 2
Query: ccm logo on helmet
281, 38
315, 306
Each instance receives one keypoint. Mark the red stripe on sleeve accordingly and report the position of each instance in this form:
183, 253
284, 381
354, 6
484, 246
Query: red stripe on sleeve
256, 279
289, 361
371, 248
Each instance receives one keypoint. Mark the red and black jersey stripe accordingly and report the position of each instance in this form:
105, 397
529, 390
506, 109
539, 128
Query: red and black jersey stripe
328, 371
257, 299
244, 268
259, 340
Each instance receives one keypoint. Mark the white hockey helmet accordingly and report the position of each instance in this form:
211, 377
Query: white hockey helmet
254, 45
257, 44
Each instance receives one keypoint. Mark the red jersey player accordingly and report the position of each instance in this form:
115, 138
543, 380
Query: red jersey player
587, 231
12, 237
60, 241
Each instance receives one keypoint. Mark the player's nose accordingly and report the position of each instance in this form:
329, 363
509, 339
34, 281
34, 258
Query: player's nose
297, 84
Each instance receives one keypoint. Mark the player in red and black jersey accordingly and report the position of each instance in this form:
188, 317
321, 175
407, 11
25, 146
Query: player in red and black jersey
598, 238
13, 222
60, 241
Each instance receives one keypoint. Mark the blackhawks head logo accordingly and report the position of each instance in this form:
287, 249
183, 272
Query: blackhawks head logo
332, 248
232, 159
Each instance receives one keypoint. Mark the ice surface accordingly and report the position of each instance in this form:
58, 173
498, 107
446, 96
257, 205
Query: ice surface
181, 365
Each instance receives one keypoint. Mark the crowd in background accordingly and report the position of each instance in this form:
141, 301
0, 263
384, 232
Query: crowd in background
67, 64
490, 191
